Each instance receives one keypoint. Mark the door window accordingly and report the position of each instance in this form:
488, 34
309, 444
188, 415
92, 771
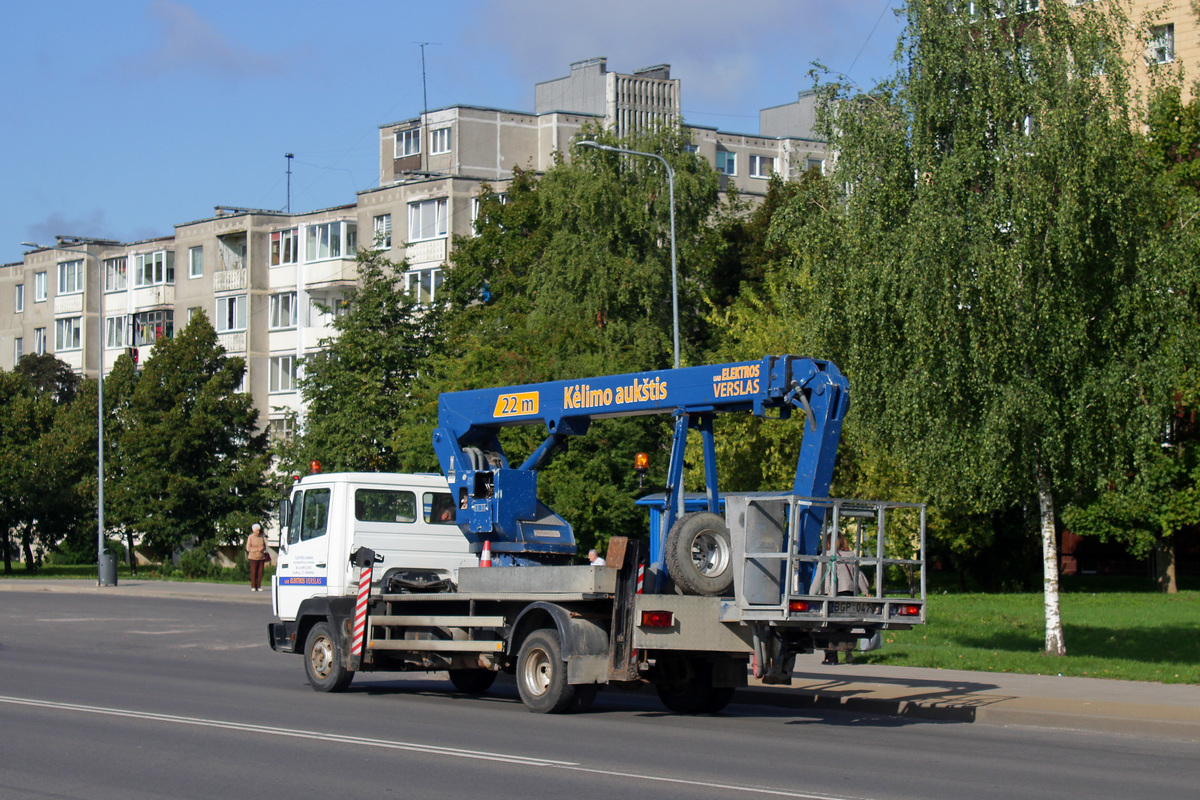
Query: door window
314, 517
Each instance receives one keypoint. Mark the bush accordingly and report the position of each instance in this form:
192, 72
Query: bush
198, 563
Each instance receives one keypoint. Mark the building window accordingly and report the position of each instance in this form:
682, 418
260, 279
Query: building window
761, 166
331, 240
191, 313
117, 332
726, 162
408, 143
1162, 44
439, 141
19, 299
66, 334
115, 278
426, 220
70, 277
39, 341
150, 326
281, 429
283, 374
283, 310
285, 247
151, 269
195, 262
383, 231
39, 288
423, 285
231, 313
18, 349
816, 163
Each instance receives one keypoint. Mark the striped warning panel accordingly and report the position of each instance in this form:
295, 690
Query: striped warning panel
360, 611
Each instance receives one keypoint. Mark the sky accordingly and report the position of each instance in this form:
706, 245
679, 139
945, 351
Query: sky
120, 120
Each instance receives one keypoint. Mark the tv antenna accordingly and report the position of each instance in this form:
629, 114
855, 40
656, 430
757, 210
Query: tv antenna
424, 90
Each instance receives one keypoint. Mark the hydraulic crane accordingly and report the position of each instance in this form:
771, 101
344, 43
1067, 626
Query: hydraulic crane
498, 501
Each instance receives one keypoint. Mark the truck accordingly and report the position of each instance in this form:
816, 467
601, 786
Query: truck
469, 573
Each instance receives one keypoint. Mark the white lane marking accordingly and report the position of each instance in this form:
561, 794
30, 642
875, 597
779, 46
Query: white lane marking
169, 631
454, 752
99, 619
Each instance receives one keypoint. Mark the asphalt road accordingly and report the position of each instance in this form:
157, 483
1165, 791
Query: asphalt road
118, 697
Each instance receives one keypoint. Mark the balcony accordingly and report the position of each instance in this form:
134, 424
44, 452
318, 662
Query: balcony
336, 270
234, 342
433, 251
162, 294
68, 304
229, 280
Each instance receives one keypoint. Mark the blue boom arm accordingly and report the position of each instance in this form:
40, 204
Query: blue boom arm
498, 502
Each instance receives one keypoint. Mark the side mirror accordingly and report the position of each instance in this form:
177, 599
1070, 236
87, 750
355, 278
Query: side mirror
285, 518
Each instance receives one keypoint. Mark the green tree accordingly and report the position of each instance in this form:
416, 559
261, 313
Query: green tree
569, 276
49, 376
47, 450
987, 291
192, 461
358, 386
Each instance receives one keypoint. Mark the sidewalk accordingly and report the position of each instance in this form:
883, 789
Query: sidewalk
1169, 711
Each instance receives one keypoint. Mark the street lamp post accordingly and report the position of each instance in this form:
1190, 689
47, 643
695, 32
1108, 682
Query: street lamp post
99, 401
671, 197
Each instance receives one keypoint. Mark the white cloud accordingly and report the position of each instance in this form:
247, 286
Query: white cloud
190, 44
722, 52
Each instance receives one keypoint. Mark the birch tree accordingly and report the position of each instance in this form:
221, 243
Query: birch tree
988, 297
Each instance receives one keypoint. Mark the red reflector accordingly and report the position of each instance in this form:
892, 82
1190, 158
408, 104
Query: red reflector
657, 619
909, 611
799, 606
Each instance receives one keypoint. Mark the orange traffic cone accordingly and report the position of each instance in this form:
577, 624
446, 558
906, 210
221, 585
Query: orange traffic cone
485, 558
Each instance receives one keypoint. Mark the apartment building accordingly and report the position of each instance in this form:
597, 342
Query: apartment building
1171, 40
271, 282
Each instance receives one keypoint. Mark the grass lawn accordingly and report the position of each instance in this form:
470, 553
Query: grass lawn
1144, 636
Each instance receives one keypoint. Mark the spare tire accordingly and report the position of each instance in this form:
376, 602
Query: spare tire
699, 554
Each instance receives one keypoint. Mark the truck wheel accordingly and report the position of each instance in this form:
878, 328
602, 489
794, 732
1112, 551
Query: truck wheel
685, 686
721, 696
472, 681
699, 554
542, 674
323, 660
585, 695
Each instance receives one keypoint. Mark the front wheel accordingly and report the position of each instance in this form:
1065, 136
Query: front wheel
542, 674
323, 660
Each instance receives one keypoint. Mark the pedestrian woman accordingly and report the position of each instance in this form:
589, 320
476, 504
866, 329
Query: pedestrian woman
846, 579
256, 554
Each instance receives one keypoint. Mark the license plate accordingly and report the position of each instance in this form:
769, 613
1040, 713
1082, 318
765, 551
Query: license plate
857, 609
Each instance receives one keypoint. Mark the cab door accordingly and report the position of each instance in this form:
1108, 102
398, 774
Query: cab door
304, 563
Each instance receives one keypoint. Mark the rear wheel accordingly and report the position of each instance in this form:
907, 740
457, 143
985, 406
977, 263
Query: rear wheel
323, 660
685, 686
699, 554
542, 674
472, 681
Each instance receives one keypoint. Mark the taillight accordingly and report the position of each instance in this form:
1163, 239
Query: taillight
908, 611
657, 619
798, 606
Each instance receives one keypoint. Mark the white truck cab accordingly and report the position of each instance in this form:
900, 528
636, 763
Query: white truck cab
408, 520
